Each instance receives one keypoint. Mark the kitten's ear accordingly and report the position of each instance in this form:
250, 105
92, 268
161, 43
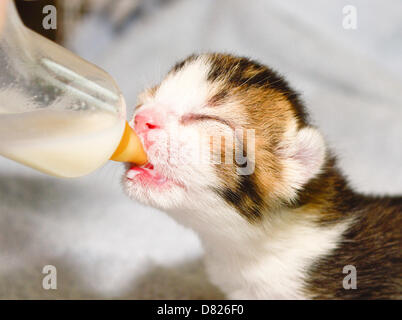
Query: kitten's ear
303, 154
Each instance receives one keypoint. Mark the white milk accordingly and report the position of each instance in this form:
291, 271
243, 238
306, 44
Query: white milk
61, 143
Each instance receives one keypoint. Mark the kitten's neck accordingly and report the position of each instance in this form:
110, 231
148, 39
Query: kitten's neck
269, 260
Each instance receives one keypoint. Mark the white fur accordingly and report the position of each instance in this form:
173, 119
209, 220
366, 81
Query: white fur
271, 266
187, 89
262, 261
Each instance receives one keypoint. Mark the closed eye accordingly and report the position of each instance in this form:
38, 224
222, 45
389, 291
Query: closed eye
193, 117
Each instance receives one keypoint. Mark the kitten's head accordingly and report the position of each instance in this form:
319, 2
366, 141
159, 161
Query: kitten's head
223, 132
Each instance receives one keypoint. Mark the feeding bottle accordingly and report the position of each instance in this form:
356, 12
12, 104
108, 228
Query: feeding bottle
58, 113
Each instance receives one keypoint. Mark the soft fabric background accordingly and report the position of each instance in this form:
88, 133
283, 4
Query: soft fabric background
107, 246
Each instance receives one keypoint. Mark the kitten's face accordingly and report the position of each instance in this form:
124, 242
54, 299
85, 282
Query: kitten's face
222, 131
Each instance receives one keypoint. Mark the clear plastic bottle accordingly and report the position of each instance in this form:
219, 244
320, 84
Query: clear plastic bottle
58, 113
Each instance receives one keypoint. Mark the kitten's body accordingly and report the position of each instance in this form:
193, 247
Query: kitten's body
304, 258
288, 228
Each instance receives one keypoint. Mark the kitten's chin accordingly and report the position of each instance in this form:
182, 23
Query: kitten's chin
154, 190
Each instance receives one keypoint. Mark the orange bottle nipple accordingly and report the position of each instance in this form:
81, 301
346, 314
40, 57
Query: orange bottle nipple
130, 148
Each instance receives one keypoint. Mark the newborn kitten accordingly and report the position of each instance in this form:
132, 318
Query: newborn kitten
233, 156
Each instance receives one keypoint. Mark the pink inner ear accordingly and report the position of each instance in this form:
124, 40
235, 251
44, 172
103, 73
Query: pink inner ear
309, 153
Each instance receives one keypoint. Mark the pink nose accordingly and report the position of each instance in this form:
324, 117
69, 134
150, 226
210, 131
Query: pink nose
147, 120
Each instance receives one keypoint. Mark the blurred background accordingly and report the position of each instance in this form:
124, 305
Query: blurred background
107, 246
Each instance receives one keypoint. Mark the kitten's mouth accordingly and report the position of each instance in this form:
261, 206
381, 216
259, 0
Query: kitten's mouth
146, 174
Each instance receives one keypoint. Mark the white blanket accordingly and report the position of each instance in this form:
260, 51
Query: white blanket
107, 246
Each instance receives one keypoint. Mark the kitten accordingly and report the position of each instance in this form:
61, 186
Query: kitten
276, 217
